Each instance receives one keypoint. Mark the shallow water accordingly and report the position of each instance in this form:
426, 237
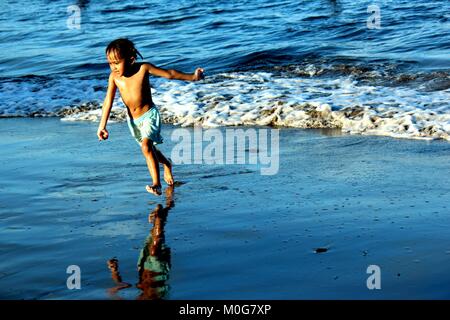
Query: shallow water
232, 233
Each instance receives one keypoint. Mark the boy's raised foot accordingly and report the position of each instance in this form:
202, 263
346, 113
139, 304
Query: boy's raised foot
156, 190
168, 177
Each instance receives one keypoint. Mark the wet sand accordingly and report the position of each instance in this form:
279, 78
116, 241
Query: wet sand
226, 231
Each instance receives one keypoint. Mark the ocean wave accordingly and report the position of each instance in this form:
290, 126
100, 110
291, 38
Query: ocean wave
126, 8
258, 98
170, 20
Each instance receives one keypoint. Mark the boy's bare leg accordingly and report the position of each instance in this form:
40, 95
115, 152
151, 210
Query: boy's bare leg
153, 166
168, 176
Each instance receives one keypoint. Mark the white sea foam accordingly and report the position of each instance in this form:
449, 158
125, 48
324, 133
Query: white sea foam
45, 97
254, 98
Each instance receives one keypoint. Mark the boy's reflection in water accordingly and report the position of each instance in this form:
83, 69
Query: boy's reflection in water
154, 259
113, 265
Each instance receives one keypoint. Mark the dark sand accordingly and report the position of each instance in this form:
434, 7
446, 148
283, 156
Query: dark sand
67, 199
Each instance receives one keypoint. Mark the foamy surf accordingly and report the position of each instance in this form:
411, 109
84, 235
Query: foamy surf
261, 99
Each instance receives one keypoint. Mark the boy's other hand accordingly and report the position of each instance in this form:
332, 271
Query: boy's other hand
198, 74
102, 134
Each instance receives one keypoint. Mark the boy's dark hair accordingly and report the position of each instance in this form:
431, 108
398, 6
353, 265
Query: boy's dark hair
124, 48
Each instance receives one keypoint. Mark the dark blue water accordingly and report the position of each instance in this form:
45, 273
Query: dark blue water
222, 35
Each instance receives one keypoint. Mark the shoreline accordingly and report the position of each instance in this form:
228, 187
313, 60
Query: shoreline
334, 131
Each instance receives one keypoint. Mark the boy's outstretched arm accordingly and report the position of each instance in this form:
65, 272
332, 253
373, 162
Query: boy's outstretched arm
174, 74
102, 133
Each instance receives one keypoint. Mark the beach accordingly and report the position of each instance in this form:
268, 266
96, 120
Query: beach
311, 162
338, 204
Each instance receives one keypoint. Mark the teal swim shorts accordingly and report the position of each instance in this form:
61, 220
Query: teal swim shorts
147, 126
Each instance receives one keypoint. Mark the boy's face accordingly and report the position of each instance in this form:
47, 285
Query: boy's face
116, 64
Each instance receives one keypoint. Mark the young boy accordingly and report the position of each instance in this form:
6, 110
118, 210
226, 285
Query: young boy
144, 121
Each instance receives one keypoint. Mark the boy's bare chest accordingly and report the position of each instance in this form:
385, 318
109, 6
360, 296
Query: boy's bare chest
134, 90
132, 85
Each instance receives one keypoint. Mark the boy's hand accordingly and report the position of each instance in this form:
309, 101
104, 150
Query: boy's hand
102, 134
198, 74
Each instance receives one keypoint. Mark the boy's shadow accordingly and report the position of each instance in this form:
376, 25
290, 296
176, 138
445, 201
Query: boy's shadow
154, 259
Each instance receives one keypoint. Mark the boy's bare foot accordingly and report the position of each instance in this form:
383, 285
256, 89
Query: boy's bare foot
156, 190
168, 177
